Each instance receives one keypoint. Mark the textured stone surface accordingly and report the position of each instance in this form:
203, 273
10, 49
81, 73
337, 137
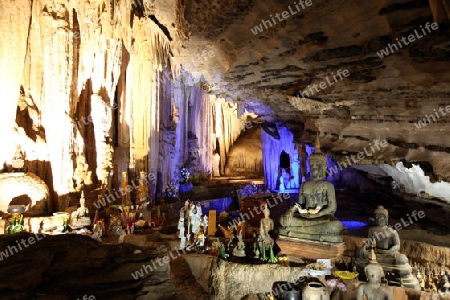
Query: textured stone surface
23, 189
380, 99
135, 84
234, 281
70, 266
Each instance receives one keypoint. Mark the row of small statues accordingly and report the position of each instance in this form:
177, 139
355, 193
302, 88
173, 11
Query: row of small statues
260, 250
262, 242
433, 280
197, 225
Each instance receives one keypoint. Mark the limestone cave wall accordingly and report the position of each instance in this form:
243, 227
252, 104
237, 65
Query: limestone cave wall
91, 89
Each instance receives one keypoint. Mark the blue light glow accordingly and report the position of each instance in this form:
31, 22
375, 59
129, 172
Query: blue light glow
353, 225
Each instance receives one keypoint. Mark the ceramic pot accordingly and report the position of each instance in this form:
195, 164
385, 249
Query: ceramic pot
290, 295
315, 291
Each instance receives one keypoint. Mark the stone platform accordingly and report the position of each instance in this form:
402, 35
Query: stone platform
299, 249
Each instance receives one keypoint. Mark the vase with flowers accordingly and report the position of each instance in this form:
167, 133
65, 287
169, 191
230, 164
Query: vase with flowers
337, 285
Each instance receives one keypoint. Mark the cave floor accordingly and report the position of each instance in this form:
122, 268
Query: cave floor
186, 285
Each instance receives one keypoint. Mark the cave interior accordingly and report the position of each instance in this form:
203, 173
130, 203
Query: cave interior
117, 115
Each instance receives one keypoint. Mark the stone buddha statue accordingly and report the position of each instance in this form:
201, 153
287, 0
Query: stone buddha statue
387, 246
373, 289
312, 218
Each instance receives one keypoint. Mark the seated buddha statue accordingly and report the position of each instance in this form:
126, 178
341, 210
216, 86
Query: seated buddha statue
80, 217
387, 246
239, 250
312, 218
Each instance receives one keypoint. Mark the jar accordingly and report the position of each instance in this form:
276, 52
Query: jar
290, 295
315, 291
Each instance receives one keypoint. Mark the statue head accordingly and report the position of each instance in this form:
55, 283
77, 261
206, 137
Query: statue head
266, 211
374, 272
381, 216
318, 161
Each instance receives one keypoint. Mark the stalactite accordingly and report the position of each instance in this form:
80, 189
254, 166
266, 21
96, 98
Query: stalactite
96, 90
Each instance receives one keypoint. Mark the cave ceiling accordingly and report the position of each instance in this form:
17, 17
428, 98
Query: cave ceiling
380, 98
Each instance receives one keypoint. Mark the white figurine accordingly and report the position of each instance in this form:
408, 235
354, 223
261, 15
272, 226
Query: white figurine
205, 224
181, 224
239, 250
282, 187
194, 214
182, 242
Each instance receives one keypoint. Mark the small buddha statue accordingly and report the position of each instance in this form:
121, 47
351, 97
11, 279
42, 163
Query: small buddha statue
80, 217
444, 286
266, 224
239, 250
387, 246
373, 289
18, 160
82, 211
312, 218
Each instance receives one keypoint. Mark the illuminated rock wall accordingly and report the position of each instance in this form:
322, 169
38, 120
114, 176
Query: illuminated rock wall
245, 157
271, 150
86, 78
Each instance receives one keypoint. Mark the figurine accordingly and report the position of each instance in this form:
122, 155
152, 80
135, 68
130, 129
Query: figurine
387, 245
239, 250
181, 224
82, 211
282, 188
373, 290
194, 217
266, 224
204, 223
80, 217
444, 287
98, 230
230, 243
18, 160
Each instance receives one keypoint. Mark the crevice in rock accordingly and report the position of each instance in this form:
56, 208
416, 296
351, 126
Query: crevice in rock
402, 144
404, 6
163, 28
356, 137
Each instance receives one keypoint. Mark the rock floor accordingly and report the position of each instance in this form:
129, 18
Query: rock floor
186, 286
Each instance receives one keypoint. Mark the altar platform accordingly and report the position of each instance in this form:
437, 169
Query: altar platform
299, 250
